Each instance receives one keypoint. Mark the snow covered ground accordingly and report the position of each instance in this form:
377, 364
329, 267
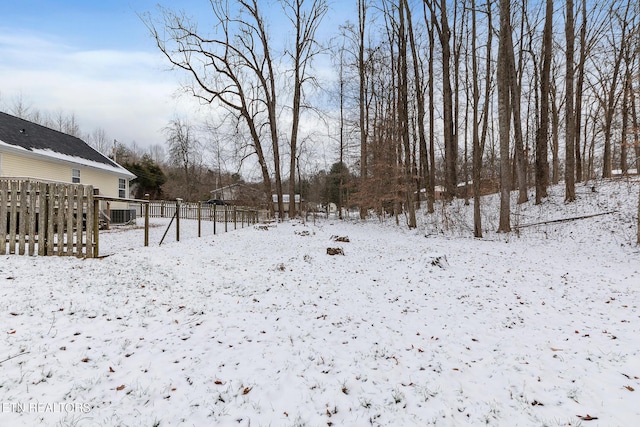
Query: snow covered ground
259, 326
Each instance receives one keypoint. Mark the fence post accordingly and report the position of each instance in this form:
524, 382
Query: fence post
96, 224
226, 219
199, 207
146, 220
13, 216
178, 200
235, 218
4, 198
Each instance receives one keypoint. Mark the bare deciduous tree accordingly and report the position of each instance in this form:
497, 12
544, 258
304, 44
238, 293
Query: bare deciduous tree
542, 136
184, 149
233, 69
306, 22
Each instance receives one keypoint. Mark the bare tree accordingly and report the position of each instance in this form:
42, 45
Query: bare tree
363, 7
418, 77
450, 143
403, 109
478, 136
184, 149
515, 104
570, 125
233, 69
306, 22
611, 95
542, 137
99, 140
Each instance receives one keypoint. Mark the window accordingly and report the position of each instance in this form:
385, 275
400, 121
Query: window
122, 188
75, 176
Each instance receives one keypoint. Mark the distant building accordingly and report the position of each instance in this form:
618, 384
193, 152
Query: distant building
285, 201
239, 194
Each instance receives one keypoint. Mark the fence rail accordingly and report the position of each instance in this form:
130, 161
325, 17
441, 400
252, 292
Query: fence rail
236, 215
49, 218
46, 218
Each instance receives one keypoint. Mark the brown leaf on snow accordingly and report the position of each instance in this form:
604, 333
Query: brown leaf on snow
111, 369
218, 382
11, 332
587, 417
120, 388
555, 349
246, 390
628, 387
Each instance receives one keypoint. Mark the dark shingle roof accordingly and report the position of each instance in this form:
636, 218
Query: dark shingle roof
28, 135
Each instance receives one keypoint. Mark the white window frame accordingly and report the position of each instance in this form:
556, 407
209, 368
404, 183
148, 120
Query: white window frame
122, 188
75, 176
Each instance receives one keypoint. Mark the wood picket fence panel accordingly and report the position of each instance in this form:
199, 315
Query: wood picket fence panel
46, 218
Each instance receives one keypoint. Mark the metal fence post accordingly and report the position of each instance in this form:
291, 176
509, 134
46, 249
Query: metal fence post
199, 207
178, 200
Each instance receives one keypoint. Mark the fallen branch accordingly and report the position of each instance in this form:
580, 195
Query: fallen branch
517, 227
13, 357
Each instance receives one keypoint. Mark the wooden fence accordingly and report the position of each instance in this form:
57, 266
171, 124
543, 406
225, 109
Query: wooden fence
47, 218
235, 216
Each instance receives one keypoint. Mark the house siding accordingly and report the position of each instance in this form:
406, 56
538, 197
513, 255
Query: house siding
107, 183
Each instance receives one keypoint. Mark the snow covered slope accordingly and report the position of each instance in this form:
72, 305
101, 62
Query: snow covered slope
261, 327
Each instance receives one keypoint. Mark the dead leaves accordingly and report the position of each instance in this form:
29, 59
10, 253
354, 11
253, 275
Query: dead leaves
335, 251
586, 417
120, 387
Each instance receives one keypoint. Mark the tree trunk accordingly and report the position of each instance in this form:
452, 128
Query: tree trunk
579, 89
403, 112
450, 148
555, 138
419, 85
542, 136
477, 153
515, 97
432, 119
607, 156
504, 115
362, 19
638, 239
570, 160
306, 22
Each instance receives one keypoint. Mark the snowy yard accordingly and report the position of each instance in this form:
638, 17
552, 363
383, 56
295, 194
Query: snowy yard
261, 327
